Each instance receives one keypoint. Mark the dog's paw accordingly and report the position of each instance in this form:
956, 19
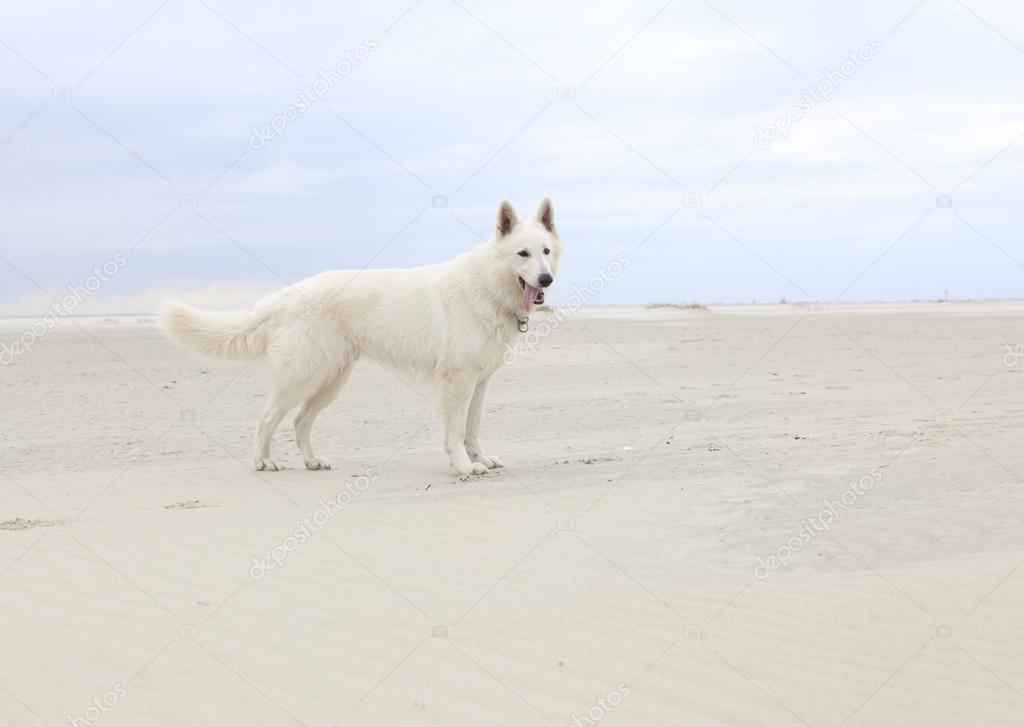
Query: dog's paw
318, 463
265, 464
488, 462
473, 468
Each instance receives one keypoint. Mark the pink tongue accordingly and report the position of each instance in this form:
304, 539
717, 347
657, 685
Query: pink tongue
529, 295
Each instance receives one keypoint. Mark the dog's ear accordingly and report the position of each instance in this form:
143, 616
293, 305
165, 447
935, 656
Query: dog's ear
507, 218
546, 216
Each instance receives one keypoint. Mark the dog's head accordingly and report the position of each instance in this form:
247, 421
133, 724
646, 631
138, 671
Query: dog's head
531, 249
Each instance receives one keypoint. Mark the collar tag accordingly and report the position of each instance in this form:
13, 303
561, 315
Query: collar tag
524, 324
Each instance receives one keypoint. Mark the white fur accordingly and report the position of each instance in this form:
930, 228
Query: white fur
451, 322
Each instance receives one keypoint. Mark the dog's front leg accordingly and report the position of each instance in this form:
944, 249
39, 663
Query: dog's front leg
476, 406
456, 392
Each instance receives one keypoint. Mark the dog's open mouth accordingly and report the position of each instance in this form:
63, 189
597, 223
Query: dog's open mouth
531, 296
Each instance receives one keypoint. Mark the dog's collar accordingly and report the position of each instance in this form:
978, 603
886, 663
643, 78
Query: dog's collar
524, 323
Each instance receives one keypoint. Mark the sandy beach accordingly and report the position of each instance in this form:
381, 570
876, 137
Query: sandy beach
750, 515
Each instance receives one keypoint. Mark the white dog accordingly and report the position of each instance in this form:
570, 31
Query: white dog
451, 322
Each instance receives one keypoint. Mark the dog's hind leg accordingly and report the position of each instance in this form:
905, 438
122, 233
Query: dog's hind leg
456, 390
272, 416
308, 414
294, 379
473, 446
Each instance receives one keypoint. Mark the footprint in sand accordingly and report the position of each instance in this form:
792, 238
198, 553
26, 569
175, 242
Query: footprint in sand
187, 505
20, 523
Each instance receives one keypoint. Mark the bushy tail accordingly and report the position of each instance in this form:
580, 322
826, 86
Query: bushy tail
224, 334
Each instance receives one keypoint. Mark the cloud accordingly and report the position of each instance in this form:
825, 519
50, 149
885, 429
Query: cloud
461, 100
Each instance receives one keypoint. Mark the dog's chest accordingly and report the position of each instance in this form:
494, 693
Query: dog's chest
504, 336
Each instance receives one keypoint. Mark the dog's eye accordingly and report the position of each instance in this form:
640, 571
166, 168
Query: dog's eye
546, 251
524, 253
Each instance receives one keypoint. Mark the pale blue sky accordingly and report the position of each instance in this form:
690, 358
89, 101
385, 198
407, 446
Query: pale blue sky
119, 119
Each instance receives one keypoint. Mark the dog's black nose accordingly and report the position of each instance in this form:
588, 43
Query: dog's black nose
545, 280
